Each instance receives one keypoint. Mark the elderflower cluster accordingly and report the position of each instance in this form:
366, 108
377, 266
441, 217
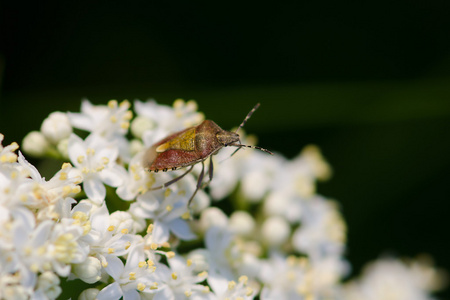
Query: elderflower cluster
100, 220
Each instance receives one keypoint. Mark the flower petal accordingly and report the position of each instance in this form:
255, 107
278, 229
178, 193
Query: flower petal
131, 295
95, 190
110, 292
34, 173
115, 266
75, 148
114, 176
160, 232
182, 230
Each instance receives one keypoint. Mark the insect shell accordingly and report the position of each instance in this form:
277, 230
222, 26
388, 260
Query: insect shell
191, 146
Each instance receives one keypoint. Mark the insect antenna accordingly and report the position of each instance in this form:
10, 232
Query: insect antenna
249, 146
242, 125
247, 117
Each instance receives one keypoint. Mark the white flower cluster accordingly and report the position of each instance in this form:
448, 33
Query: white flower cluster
290, 246
388, 278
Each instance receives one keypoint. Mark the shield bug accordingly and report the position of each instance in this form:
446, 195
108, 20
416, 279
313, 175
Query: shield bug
191, 146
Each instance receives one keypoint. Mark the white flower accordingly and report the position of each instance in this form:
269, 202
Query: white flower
256, 169
48, 234
48, 286
14, 259
318, 165
123, 222
221, 257
227, 172
48, 246
108, 121
131, 279
284, 203
284, 278
229, 256
168, 210
7, 154
394, 280
186, 113
299, 175
294, 183
11, 287
259, 174
164, 119
56, 127
14, 187
158, 116
325, 274
199, 257
137, 182
179, 280
63, 246
105, 242
322, 231
50, 197
237, 290
96, 158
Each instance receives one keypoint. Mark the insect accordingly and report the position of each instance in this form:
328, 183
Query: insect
193, 145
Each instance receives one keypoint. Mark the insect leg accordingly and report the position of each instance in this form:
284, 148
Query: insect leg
199, 183
235, 151
211, 168
173, 180
210, 172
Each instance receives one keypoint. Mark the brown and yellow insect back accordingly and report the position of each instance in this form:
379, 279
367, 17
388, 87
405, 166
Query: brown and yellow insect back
191, 146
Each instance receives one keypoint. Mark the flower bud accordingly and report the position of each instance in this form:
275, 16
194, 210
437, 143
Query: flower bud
242, 223
122, 222
63, 147
250, 265
48, 283
89, 271
15, 291
141, 124
89, 294
255, 185
200, 202
199, 259
318, 164
212, 216
56, 127
35, 144
135, 147
275, 231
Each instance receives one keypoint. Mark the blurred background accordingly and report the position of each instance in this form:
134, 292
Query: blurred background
369, 83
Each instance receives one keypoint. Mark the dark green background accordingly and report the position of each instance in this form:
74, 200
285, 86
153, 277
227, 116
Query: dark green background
368, 82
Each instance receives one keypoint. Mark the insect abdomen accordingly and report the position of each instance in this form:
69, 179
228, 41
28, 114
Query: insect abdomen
171, 159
